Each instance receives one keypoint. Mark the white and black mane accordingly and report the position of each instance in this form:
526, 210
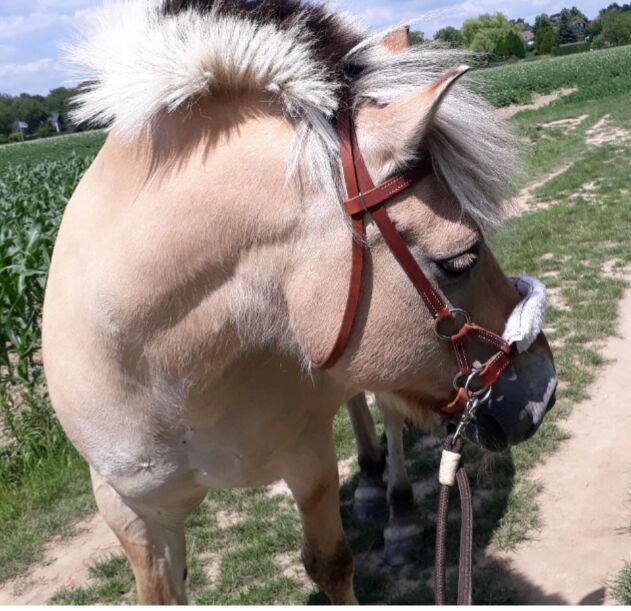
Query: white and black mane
141, 58
334, 38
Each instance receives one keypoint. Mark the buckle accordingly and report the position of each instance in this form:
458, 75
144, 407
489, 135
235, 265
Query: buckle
457, 315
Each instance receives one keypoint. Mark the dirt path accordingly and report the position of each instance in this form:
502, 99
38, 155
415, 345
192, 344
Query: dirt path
539, 101
65, 565
585, 503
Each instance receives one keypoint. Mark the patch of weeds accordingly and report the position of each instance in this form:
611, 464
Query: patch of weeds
621, 585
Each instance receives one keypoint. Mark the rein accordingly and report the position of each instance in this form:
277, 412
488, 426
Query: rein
472, 385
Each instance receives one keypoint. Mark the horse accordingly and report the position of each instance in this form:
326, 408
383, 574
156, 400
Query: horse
202, 265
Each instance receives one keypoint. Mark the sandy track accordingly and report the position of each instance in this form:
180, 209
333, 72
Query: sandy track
585, 503
539, 101
65, 564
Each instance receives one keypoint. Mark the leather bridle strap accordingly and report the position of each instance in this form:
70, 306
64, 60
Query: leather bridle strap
363, 197
358, 257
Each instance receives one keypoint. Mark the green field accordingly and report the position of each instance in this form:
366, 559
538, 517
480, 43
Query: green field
597, 74
581, 226
59, 148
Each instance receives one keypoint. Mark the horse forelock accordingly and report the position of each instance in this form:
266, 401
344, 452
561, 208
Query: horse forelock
141, 58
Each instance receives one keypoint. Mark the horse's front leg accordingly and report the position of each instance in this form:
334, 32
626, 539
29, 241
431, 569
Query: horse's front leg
313, 479
370, 494
152, 536
403, 532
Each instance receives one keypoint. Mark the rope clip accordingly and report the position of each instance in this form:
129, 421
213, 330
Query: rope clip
476, 400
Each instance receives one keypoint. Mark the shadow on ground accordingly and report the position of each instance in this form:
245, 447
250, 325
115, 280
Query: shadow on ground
492, 480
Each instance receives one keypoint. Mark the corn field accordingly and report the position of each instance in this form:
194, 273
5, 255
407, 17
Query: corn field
32, 200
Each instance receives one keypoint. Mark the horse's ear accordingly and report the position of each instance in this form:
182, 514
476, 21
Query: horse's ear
390, 135
397, 40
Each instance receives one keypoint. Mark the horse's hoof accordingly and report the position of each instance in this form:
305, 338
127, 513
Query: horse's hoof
370, 504
402, 542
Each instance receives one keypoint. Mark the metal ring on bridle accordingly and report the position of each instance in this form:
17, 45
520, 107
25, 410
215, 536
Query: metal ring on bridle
455, 313
482, 395
474, 394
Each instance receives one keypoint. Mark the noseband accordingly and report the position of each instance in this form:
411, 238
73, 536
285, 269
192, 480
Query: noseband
472, 385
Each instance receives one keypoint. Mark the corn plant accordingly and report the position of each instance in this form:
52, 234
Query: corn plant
32, 200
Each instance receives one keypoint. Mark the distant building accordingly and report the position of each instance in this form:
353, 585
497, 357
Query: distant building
56, 121
529, 38
580, 24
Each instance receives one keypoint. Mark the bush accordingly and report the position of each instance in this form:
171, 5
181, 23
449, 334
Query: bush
599, 42
15, 137
579, 47
42, 131
4, 138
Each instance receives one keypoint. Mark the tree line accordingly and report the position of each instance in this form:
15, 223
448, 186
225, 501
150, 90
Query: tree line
499, 38
36, 112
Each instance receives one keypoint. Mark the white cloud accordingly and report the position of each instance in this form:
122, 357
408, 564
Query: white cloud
18, 27
10, 70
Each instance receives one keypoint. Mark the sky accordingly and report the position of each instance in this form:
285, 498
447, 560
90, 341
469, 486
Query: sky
32, 30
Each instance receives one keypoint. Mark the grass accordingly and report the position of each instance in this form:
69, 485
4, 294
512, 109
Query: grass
253, 558
621, 585
57, 148
597, 75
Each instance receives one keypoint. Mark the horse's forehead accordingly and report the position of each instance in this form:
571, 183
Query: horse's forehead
432, 216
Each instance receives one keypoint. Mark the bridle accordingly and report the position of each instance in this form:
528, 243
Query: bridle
472, 385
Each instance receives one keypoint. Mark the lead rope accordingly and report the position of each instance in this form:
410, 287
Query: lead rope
451, 472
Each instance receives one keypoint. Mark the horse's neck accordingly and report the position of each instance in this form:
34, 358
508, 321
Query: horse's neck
206, 237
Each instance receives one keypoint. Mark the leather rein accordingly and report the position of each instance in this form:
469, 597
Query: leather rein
451, 324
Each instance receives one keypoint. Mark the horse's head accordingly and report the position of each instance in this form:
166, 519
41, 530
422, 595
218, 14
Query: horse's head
444, 220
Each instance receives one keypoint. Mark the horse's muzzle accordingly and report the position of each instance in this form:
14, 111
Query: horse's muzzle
521, 398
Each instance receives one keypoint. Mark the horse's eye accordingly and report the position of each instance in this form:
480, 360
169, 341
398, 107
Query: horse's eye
460, 264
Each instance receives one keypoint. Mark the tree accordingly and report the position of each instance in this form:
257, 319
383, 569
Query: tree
545, 34
59, 100
450, 36
6, 120
594, 28
566, 32
616, 27
417, 38
616, 7
515, 45
31, 109
483, 33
